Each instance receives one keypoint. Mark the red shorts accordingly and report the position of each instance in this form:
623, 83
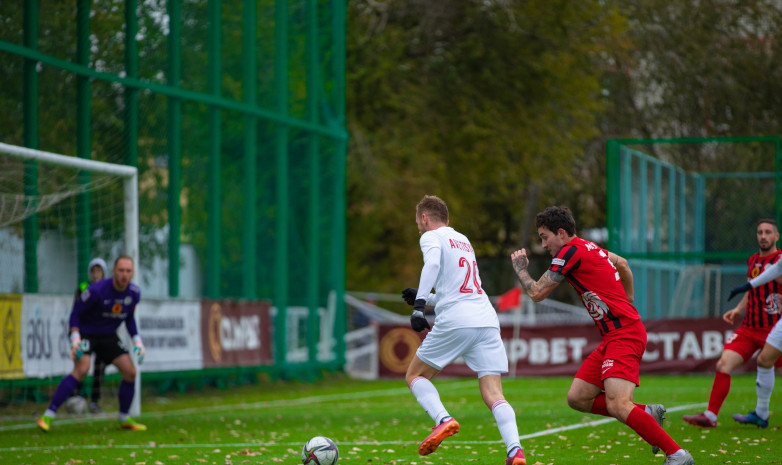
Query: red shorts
746, 341
618, 356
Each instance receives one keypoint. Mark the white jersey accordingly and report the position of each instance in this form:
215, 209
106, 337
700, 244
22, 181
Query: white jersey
459, 301
769, 274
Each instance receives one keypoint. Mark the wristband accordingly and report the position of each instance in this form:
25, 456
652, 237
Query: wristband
137, 340
75, 337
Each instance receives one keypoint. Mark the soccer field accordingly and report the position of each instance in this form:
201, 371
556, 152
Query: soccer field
380, 422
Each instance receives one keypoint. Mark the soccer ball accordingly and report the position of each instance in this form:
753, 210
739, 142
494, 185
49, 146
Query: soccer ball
76, 405
319, 451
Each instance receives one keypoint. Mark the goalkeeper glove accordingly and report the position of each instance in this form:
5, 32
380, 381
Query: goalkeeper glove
408, 295
78, 347
417, 319
740, 290
138, 349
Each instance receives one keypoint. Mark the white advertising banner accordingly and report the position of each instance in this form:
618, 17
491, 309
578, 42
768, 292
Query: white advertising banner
171, 331
44, 336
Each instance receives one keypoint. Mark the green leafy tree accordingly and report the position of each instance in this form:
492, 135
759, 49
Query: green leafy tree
487, 104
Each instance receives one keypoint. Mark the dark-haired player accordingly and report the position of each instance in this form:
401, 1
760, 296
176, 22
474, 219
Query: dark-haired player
762, 312
605, 382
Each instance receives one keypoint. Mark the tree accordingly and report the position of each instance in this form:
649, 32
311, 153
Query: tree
487, 104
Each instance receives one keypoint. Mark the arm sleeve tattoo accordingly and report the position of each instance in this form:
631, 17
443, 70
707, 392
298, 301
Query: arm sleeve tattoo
545, 284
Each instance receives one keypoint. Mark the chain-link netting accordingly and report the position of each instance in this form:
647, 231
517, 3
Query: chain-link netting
685, 213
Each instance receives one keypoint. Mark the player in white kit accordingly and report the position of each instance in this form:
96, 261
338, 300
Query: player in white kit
465, 325
768, 356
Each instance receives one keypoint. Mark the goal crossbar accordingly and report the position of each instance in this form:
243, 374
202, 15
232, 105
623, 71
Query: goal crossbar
129, 174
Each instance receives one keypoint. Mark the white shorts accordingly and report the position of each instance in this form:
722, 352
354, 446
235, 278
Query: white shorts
774, 338
482, 349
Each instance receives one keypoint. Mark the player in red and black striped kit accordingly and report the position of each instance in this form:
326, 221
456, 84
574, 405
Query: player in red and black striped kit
762, 306
606, 381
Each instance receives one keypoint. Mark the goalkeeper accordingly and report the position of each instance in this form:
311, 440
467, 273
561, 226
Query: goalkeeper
103, 306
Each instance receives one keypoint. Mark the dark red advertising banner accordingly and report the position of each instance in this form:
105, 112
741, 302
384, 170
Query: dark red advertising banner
235, 333
673, 346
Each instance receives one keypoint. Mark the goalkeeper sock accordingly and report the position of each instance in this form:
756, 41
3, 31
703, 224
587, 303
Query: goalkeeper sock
126, 391
64, 390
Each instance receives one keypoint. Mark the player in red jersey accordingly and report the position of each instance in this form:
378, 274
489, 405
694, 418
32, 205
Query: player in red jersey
605, 382
762, 306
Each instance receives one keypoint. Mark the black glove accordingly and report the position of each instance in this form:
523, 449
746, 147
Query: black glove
417, 319
740, 290
408, 295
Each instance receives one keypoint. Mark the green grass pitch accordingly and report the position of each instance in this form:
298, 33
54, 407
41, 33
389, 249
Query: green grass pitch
380, 422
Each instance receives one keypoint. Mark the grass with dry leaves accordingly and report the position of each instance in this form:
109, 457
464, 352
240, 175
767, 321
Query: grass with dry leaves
380, 422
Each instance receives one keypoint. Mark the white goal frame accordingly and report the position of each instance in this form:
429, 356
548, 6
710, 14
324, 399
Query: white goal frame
129, 175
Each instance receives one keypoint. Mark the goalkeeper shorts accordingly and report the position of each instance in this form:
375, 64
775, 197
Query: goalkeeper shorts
105, 347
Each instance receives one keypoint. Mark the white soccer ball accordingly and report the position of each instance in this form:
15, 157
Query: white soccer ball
76, 405
319, 451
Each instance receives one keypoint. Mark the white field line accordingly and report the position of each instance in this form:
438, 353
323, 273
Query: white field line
243, 406
284, 402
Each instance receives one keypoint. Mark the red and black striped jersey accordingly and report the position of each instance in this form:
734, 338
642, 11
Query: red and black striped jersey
763, 303
588, 269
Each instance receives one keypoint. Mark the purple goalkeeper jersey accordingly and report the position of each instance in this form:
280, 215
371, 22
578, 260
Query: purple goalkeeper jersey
101, 308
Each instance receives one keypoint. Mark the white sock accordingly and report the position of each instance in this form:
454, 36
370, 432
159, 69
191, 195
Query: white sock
426, 395
764, 386
123, 416
50, 413
710, 415
506, 423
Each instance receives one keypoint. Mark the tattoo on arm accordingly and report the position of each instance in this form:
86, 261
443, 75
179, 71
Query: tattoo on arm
554, 276
524, 278
549, 280
520, 263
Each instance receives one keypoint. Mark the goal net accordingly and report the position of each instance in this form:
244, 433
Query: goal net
56, 213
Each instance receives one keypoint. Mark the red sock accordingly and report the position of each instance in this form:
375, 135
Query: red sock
599, 405
646, 427
719, 391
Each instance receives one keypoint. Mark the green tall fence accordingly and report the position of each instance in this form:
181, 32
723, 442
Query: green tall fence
683, 212
234, 114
